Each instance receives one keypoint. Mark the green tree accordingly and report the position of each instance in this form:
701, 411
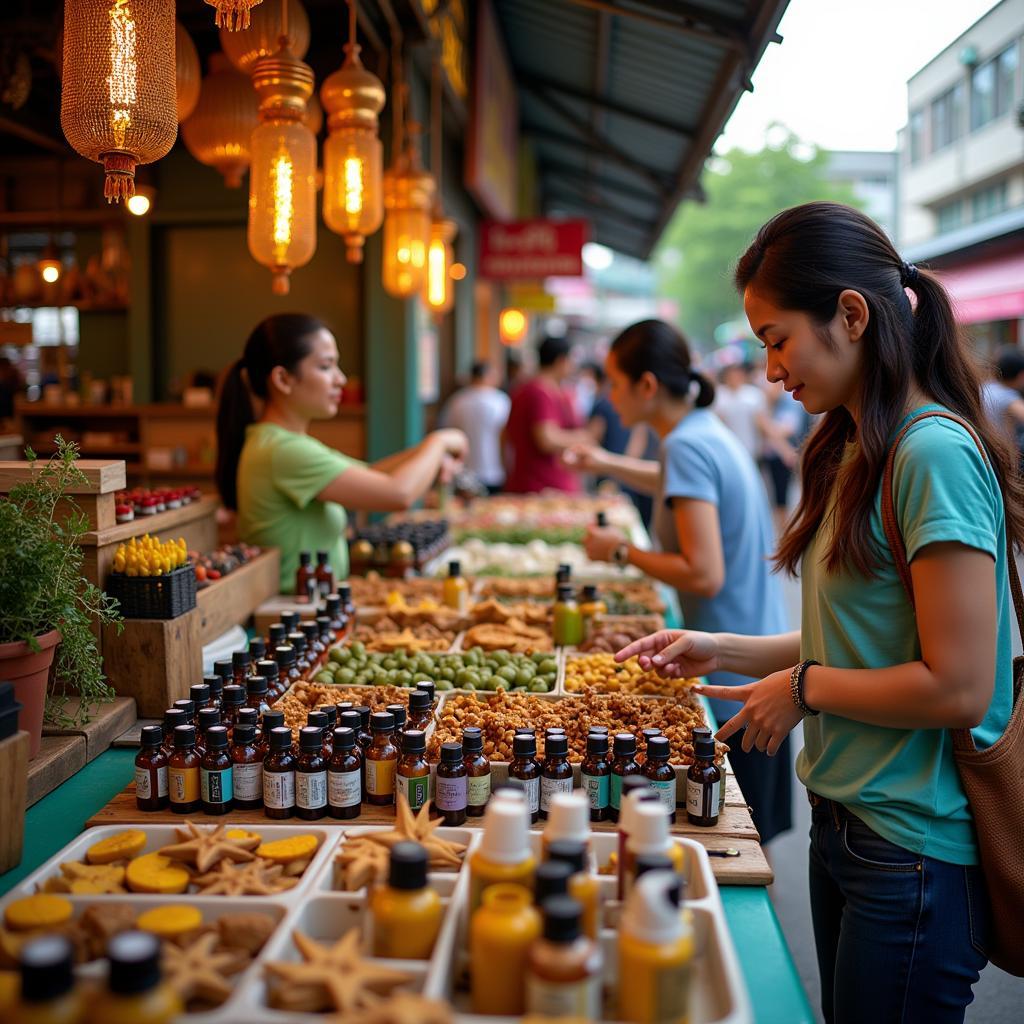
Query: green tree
697, 253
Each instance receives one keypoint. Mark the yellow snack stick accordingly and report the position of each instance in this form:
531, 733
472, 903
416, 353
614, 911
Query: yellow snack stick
153, 872
171, 921
42, 910
283, 851
122, 846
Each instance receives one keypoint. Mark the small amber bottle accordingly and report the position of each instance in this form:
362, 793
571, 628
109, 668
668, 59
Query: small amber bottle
151, 771
232, 698
290, 621
183, 771
314, 646
249, 716
556, 775
703, 781
413, 774
347, 608
364, 737
216, 685
324, 575
428, 686
246, 769
268, 668
287, 670
257, 651
478, 771
279, 775
344, 776
648, 735
327, 634
525, 768
400, 714
225, 670
322, 722
216, 782
304, 576
563, 973
331, 711
451, 789
173, 717
332, 609
420, 715
381, 760
311, 774
276, 632
240, 662
297, 640
623, 764
256, 693
595, 775
272, 719
660, 775
199, 694
208, 719
189, 708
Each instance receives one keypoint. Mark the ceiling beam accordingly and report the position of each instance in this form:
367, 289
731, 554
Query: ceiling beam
587, 196
564, 170
643, 227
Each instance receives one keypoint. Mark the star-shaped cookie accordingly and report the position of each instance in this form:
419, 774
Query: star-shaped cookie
361, 862
401, 1008
256, 878
206, 847
418, 828
196, 971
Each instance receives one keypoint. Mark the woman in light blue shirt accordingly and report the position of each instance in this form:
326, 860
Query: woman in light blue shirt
900, 909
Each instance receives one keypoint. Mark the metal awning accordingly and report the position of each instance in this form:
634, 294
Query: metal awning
622, 101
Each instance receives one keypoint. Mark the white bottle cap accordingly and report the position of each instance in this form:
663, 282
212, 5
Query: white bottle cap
652, 911
568, 817
633, 799
648, 828
506, 825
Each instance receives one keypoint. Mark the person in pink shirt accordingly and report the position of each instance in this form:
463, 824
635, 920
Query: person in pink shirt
542, 422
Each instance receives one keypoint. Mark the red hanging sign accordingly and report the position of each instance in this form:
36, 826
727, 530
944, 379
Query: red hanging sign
532, 249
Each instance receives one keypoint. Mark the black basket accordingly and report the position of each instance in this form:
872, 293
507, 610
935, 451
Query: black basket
154, 597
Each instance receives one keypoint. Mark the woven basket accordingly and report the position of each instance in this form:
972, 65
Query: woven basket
154, 597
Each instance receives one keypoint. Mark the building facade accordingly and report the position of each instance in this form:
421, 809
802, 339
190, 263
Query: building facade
871, 175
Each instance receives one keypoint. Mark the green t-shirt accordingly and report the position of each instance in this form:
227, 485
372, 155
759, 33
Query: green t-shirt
280, 473
903, 782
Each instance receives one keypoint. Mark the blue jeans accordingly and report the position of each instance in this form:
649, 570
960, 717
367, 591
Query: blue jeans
901, 938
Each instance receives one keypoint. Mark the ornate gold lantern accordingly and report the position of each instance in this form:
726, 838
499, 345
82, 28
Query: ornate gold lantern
233, 14
353, 155
219, 132
262, 37
282, 178
118, 101
438, 286
188, 73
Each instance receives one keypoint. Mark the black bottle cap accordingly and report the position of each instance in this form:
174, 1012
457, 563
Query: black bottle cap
524, 746
305, 558
590, 592
382, 721
311, 739
351, 720
569, 851
414, 741
248, 716
704, 747
284, 655
272, 720
408, 866
208, 718
601, 730
318, 720
398, 712
701, 732
224, 669
217, 738
652, 862
524, 730
256, 686
631, 782
321, 557
268, 668
184, 736
472, 740
199, 694
152, 735
134, 962
311, 631
451, 753
280, 738
625, 744
562, 916
257, 649
243, 734
556, 745
344, 591
297, 639
240, 659
597, 745
427, 686
276, 634
345, 705
554, 730
233, 696
658, 748
454, 568
46, 969
323, 623
602, 518
419, 701
290, 620
551, 879
216, 685
564, 591
173, 717
344, 738
331, 712
332, 604
188, 707
564, 573
364, 716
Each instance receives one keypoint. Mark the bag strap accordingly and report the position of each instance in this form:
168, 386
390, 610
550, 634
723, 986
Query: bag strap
962, 738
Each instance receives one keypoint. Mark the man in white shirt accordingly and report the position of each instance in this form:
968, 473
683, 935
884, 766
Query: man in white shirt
741, 407
480, 410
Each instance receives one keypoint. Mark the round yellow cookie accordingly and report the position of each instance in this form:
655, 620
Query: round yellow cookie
284, 851
171, 921
43, 910
240, 833
153, 872
123, 846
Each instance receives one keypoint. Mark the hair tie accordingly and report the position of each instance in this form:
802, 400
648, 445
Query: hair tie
908, 275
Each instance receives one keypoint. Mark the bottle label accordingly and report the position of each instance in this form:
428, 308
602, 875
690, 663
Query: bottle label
323, 587
672, 992
549, 787
380, 777
311, 790
452, 794
215, 786
344, 789
615, 791
531, 790
183, 784
247, 781
415, 789
702, 798
666, 790
598, 789
279, 790
479, 790
148, 778
581, 999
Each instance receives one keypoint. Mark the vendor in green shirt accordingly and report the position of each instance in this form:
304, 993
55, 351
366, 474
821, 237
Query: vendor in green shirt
291, 490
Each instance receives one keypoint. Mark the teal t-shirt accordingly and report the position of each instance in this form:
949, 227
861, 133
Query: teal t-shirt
903, 783
280, 474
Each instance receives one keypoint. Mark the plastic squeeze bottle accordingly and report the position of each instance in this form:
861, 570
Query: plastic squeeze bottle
568, 818
406, 913
563, 969
48, 994
649, 833
135, 990
504, 853
655, 953
500, 935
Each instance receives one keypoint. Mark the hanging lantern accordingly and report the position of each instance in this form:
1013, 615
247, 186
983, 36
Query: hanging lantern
282, 179
233, 14
188, 73
353, 156
438, 284
512, 325
218, 133
264, 33
313, 118
118, 104
408, 197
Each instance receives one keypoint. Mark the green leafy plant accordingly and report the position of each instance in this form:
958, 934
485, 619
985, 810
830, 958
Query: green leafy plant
42, 586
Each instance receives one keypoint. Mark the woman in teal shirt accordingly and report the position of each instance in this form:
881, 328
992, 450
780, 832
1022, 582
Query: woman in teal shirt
900, 910
291, 490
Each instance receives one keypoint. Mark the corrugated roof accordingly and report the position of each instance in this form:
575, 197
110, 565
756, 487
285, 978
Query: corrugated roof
622, 100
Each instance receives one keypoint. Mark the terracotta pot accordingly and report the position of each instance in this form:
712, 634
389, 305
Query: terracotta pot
29, 671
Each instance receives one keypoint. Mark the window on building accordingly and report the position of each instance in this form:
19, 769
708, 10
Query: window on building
987, 202
950, 216
994, 87
948, 117
1006, 79
916, 135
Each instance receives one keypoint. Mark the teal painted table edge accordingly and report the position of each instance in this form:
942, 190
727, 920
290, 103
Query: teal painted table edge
772, 980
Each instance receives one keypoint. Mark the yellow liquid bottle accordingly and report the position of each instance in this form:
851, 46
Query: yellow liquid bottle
48, 994
655, 953
406, 913
455, 590
135, 991
649, 834
504, 852
500, 934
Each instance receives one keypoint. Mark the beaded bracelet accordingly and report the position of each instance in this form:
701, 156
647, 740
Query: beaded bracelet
796, 686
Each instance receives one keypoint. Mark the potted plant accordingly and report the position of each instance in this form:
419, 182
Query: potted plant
48, 607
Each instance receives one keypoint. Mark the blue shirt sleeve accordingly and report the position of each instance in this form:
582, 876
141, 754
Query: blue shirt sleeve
690, 472
944, 490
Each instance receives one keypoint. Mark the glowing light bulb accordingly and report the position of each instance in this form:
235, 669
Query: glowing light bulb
51, 273
512, 326
123, 80
284, 207
458, 272
354, 186
139, 204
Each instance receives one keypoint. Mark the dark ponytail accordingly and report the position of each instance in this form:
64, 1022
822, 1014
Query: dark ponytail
284, 339
656, 347
803, 259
